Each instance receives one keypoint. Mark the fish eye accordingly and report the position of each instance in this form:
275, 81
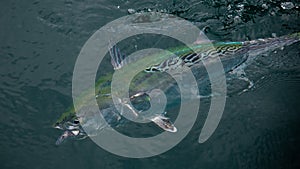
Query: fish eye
76, 121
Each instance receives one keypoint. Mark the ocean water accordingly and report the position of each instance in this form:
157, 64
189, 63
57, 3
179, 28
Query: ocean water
40, 42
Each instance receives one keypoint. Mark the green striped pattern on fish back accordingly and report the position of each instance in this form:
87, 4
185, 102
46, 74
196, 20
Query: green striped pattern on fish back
190, 57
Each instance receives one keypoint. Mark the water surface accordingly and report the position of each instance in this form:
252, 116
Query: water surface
40, 41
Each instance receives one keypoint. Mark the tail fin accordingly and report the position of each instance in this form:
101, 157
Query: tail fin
270, 44
291, 38
295, 35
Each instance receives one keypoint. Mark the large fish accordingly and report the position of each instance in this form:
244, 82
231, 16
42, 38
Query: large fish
232, 55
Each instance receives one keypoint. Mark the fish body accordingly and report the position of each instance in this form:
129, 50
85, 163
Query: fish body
232, 54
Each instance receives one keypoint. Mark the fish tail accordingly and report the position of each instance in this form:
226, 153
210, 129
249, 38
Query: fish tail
295, 35
291, 38
270, 44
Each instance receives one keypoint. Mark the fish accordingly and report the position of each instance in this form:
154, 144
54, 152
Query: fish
232, 55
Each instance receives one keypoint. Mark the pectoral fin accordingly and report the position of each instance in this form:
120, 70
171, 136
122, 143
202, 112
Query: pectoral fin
164, 123
201, 39
117, 58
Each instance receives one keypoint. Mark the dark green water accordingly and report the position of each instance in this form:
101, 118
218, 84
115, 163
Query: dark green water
40, 42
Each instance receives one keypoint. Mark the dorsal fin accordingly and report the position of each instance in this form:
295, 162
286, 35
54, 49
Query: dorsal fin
117, 58
201, 37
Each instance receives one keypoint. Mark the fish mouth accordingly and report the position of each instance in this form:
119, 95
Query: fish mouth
76, 134
66, 135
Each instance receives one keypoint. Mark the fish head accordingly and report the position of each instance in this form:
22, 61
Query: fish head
70, 124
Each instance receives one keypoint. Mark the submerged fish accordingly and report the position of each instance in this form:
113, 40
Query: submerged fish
232, 55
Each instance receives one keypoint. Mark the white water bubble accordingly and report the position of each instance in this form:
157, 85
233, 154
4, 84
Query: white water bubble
265, 6
131, 11
287, 5
240, 7
163, 11
272, 13
237, 19
229, 7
